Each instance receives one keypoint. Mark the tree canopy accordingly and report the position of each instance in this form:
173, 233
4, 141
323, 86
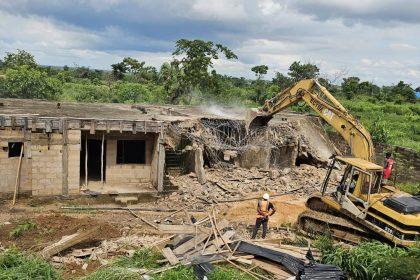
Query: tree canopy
20, 58
298, 71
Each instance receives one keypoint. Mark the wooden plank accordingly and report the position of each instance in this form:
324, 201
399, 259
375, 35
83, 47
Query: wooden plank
142, 219
66, 242
186, 229
86, 161
183, 248
277, 270
102, 158
17, 181
170, 256
65, 162
226, 238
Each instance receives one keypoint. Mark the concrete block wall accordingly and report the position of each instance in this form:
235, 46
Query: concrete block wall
47, 169
136, 175
42, 173
8, 166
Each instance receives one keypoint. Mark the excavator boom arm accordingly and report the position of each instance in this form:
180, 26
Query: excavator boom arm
322, 102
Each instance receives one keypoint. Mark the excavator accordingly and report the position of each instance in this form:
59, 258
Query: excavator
360, 206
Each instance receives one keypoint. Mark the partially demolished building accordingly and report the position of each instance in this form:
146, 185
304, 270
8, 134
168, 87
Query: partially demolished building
49, 148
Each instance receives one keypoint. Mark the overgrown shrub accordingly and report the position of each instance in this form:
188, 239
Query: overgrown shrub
86, 93
371, 260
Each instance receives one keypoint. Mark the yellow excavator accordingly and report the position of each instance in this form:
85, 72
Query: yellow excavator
360, 206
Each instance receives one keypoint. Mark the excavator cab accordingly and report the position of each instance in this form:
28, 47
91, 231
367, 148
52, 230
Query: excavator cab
361, 181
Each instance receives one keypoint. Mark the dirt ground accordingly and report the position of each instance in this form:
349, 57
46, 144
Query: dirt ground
119, 232
287, 207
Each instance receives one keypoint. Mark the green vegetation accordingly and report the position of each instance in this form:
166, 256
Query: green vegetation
397, 124
413, 188
125, 268
391, 113
144, 258
371, 260
16, 265
21, 228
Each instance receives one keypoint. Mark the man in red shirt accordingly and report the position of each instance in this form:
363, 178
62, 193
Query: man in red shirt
388, 164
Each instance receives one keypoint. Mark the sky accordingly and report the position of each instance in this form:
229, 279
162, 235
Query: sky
377, 40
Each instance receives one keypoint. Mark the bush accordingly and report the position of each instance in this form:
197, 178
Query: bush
371, 260
86, 93
411, 188
26, 82
379, 131
16, 265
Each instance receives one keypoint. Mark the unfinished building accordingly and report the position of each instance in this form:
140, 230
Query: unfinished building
50, 148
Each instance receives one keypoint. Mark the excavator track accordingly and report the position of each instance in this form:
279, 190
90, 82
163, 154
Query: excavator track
321, 219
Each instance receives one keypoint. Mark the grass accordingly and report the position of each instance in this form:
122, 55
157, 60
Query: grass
371, 260
144, 258
412, 188
297, 241
16, 265
123, 269
21, 228
112, 273
396, 124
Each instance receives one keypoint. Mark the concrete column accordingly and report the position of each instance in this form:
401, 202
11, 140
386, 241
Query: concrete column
160, 163
199, 166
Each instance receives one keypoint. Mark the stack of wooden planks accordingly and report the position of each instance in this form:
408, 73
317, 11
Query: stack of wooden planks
209, 241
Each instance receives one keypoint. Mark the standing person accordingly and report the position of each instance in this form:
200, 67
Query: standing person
388, 164
264, 210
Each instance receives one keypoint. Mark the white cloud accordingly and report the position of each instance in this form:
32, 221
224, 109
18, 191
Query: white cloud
218, 9
402, 47
269, 7
273, 32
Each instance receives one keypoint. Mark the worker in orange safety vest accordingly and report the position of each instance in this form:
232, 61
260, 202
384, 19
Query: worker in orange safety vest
265, 209
388, 164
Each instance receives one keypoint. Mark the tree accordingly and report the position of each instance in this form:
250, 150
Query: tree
403, 91
259, 85
197, 57
299, 71
26, 82
350, 86
118, 70
20, 58
260, 70
137, 70
133, 66
282, 81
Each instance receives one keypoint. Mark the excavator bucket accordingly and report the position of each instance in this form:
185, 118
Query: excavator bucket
255, 120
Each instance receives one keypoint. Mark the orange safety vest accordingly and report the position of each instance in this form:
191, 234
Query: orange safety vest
263, 209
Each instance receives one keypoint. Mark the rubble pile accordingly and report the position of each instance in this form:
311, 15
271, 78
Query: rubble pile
233, 182
107, 249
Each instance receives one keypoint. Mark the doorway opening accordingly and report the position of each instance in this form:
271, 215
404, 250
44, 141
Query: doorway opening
94, 154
